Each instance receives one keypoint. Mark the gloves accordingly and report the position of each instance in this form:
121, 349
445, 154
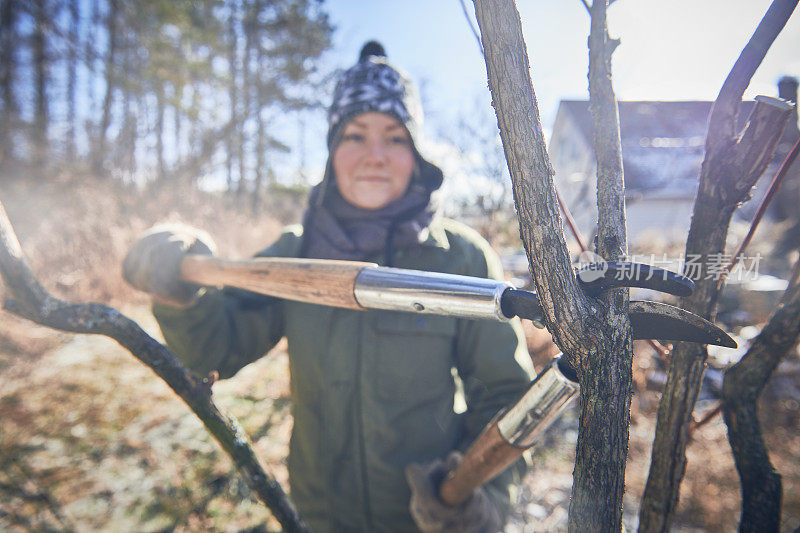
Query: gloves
153, 262
479, 514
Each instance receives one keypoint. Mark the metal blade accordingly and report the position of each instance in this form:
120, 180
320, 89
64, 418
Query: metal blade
600, 277
654, 320
649, 320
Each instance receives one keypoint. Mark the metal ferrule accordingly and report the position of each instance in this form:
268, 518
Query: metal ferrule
425, 292
547, 396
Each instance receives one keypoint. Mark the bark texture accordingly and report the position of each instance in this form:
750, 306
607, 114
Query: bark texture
732, 164
35, 303
602, 447
566, 308
743, 383
593, 334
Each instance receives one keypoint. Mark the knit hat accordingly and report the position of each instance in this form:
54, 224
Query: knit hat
373, 85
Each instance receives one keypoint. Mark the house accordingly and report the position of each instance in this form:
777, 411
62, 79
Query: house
662, 150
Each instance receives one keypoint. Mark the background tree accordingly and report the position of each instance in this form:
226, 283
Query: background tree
489, 208
143, 83
8, 73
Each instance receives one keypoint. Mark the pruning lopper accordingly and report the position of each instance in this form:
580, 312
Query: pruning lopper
365, 286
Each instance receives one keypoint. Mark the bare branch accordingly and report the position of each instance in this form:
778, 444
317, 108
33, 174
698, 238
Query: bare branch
35, 303
713, 211
722, 124
541, 230
472, 26
731, 166
742, 385
599, 476
762, 207
611, 237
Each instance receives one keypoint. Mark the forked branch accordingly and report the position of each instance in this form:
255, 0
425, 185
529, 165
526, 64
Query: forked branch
593, 335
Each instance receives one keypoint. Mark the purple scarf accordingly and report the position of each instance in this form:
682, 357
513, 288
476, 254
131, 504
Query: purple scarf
336, 229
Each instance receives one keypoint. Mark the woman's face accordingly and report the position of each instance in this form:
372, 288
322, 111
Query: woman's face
374, 161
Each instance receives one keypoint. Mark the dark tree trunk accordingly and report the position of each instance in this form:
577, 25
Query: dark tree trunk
129, 137
101, 143
602, 449
40, 65
260, 162
258, 106
8, 62
162, 166
72, 79
91, 57
742, 386
178, 124
230, 141
593, 335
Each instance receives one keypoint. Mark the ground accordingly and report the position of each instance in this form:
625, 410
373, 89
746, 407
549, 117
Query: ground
92, 440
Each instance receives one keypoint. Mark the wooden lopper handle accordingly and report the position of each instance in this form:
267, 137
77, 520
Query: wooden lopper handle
317, 281
489, 455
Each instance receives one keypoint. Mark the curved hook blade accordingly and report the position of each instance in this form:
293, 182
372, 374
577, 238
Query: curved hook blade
654, 320
649, 320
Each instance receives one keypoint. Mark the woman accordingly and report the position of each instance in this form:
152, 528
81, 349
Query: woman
372, 393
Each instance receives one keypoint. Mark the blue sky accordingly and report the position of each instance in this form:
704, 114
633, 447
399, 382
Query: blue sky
671, 50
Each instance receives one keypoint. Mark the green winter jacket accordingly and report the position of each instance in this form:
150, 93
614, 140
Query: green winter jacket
371, 391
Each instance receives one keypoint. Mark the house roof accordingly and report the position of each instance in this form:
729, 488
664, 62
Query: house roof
662, 142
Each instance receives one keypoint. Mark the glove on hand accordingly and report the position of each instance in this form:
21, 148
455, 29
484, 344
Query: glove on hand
478, 514
153, 262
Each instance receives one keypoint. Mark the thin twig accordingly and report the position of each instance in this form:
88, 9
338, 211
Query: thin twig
708, 417
573, 228
472, 27
762, 207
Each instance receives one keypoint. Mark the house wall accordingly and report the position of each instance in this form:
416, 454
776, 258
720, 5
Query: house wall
658, 219
572, 158
665, 220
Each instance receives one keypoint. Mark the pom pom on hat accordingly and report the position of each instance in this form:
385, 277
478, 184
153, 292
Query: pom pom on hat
372, 84
371, 49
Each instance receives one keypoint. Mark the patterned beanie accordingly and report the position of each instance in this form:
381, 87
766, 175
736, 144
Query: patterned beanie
373, 85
